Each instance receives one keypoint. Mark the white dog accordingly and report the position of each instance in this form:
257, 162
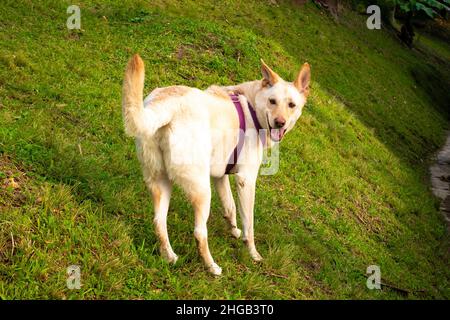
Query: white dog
186, 135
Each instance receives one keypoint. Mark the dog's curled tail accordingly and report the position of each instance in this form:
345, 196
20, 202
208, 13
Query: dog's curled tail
138, 121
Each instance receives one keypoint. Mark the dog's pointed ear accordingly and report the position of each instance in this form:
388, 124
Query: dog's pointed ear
303, 78
270, 77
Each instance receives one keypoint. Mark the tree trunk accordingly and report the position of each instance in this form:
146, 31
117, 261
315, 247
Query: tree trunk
407, 31
391, 19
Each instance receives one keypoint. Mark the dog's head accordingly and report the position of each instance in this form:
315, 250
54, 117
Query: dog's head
279, 103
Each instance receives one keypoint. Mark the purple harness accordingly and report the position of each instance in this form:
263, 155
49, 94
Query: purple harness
235, 155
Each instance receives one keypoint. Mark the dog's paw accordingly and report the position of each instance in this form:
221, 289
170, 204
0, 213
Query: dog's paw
215, 269
256, 256
170, 257
173, 259
235, 232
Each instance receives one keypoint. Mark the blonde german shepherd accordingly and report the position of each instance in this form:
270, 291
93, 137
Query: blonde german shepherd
185, 135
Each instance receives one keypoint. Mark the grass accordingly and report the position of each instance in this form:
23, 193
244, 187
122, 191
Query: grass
352, 189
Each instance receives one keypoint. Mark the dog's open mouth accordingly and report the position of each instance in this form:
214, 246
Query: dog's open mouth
276, 134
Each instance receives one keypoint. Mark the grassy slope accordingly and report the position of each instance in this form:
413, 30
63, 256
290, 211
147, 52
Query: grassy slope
352, 189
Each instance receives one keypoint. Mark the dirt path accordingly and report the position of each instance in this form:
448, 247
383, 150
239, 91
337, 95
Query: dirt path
440, 179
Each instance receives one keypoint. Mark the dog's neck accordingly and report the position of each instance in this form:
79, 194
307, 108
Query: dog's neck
248, 89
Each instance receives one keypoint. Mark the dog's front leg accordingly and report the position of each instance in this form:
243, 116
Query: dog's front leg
246, 184
224, 190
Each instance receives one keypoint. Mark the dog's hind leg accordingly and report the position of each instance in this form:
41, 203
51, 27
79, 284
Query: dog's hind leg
199, 192
161, 189
226, 197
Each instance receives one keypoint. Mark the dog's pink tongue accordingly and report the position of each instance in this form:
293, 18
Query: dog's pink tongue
277, 134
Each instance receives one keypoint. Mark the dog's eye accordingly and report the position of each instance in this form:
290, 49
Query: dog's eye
272, 101
291, 105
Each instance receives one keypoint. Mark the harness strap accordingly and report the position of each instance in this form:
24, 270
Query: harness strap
235, 155
259, 129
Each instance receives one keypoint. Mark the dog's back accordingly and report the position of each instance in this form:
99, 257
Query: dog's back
174, 127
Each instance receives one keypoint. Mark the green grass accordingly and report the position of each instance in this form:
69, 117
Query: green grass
352, 189
439, 48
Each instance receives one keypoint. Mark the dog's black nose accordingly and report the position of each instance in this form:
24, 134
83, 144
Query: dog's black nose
280, 122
